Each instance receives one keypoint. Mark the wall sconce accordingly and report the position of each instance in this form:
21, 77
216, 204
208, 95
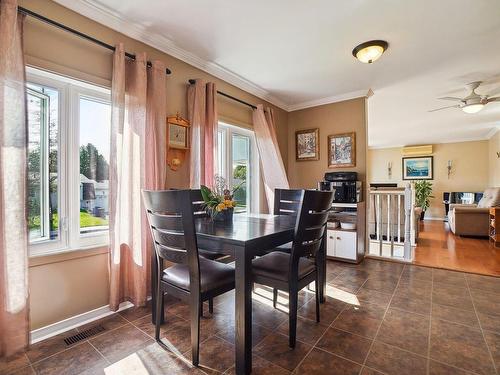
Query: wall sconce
389, 170
449, 167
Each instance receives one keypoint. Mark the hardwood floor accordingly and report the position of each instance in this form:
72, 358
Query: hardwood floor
438, 247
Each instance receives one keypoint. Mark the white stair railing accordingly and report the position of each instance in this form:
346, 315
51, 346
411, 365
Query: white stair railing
391, 223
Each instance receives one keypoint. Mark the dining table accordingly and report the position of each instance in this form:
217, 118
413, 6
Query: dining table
245, 237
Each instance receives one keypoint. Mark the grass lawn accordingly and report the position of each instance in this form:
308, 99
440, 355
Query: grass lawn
86, 220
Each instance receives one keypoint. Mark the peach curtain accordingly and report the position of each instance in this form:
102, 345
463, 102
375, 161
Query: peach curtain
14, 324
273, 169
202, 115
137, 161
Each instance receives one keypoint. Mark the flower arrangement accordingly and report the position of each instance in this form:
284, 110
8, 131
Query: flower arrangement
219, 200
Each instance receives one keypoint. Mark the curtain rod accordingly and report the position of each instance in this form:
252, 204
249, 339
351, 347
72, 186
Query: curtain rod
192, 81
77, 33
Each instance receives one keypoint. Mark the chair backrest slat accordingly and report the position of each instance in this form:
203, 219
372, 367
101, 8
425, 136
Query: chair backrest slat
170, 238
313, 233
311, 225
287, 201
172, 254
198, 204
171, 220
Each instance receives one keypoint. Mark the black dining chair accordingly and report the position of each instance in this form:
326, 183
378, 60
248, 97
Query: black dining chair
192, 278
293, 271
199, 212
286, 202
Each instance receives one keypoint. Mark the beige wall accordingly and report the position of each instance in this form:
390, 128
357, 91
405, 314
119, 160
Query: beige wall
64, 287
341, 117
470, 169
494, 159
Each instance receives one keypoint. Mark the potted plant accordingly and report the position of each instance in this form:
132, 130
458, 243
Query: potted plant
219, 201
423, 195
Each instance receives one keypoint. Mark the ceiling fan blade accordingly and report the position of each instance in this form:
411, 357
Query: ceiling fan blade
450, 106
497, 99
450, 98
493, 92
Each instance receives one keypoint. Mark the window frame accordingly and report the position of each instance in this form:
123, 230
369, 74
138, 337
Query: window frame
68, 137
44, 166
227, 150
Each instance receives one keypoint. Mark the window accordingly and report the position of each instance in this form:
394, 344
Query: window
68, 163
238, 163
94, 168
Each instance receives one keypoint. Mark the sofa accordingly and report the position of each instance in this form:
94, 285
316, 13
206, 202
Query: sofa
472, 219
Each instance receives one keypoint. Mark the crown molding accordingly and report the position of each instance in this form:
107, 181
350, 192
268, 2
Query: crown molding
331, 99
486, 137
101, 14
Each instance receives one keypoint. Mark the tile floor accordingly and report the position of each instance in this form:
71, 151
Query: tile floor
379, 318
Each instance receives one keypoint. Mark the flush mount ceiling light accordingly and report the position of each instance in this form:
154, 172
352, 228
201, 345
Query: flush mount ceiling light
371, 51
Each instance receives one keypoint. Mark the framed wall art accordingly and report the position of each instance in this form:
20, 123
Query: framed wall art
418, 168
342, 150
307, 144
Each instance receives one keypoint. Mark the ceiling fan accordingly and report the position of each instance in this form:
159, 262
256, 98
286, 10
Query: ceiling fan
473, 102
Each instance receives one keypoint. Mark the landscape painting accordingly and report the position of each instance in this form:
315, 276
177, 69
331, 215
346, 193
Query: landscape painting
307, 144
419, 168
342, 150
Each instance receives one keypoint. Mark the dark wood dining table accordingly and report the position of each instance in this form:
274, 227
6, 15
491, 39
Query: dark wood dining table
244, 238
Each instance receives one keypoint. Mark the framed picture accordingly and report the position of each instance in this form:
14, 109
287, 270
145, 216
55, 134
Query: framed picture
307, 144
418, 168
342, 150
177, 135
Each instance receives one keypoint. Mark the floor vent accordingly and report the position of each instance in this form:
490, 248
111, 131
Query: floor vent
84, 335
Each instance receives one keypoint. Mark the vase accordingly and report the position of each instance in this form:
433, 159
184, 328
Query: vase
224, 215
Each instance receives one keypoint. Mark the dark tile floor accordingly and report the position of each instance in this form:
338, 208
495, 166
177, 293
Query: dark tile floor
379, 318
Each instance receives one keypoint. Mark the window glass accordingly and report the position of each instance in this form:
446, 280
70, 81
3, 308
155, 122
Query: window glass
95, 117
240, 170
43, 184
238, 163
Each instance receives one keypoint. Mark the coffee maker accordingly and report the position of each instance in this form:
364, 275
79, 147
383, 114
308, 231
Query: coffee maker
345, 185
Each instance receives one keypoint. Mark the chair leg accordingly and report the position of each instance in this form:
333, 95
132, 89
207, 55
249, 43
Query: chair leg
211, 305
275, 297
292, 316
159, 307
316, 284
201, 310
195, 330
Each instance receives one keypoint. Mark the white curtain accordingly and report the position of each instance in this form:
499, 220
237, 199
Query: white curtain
202, 115
14, 324
272, 166
137, 162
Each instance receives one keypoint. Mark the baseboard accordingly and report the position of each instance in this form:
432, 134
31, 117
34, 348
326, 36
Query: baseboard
75, 321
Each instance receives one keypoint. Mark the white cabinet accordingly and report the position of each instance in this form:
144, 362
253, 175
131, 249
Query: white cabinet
342, 244
330, 243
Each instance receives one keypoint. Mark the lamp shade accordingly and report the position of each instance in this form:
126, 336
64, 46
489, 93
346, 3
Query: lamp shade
371, 51
472, 108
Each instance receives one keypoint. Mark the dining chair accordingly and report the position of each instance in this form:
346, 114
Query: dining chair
293, 271
286, 202
199, 212
192, 278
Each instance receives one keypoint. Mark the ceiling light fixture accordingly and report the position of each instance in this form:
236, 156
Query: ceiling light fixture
472, 108
371, 51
